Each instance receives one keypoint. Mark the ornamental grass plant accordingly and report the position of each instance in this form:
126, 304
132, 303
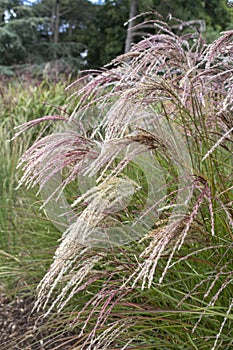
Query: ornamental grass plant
137, 175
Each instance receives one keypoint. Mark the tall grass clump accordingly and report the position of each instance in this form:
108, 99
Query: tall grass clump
23, 229
139, 180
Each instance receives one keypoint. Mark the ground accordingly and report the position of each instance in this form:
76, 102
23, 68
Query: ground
21, 330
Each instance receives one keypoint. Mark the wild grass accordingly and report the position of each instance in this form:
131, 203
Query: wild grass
140, 266
24, 230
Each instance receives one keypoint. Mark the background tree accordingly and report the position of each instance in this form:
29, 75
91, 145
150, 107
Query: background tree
106, 38
217, 15
66, 22
18, 31
133, 12
80, 34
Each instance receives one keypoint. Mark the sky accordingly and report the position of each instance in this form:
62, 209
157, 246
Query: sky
32, 1
29, 1
95, 1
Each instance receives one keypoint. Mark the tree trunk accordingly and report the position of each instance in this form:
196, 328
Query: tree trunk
56, 26
51, 38
70, 29
129, 36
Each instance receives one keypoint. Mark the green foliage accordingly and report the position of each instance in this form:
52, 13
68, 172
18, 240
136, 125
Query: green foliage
11, 48
33, 34
107, 33
182, 9
27, 36
218, 15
